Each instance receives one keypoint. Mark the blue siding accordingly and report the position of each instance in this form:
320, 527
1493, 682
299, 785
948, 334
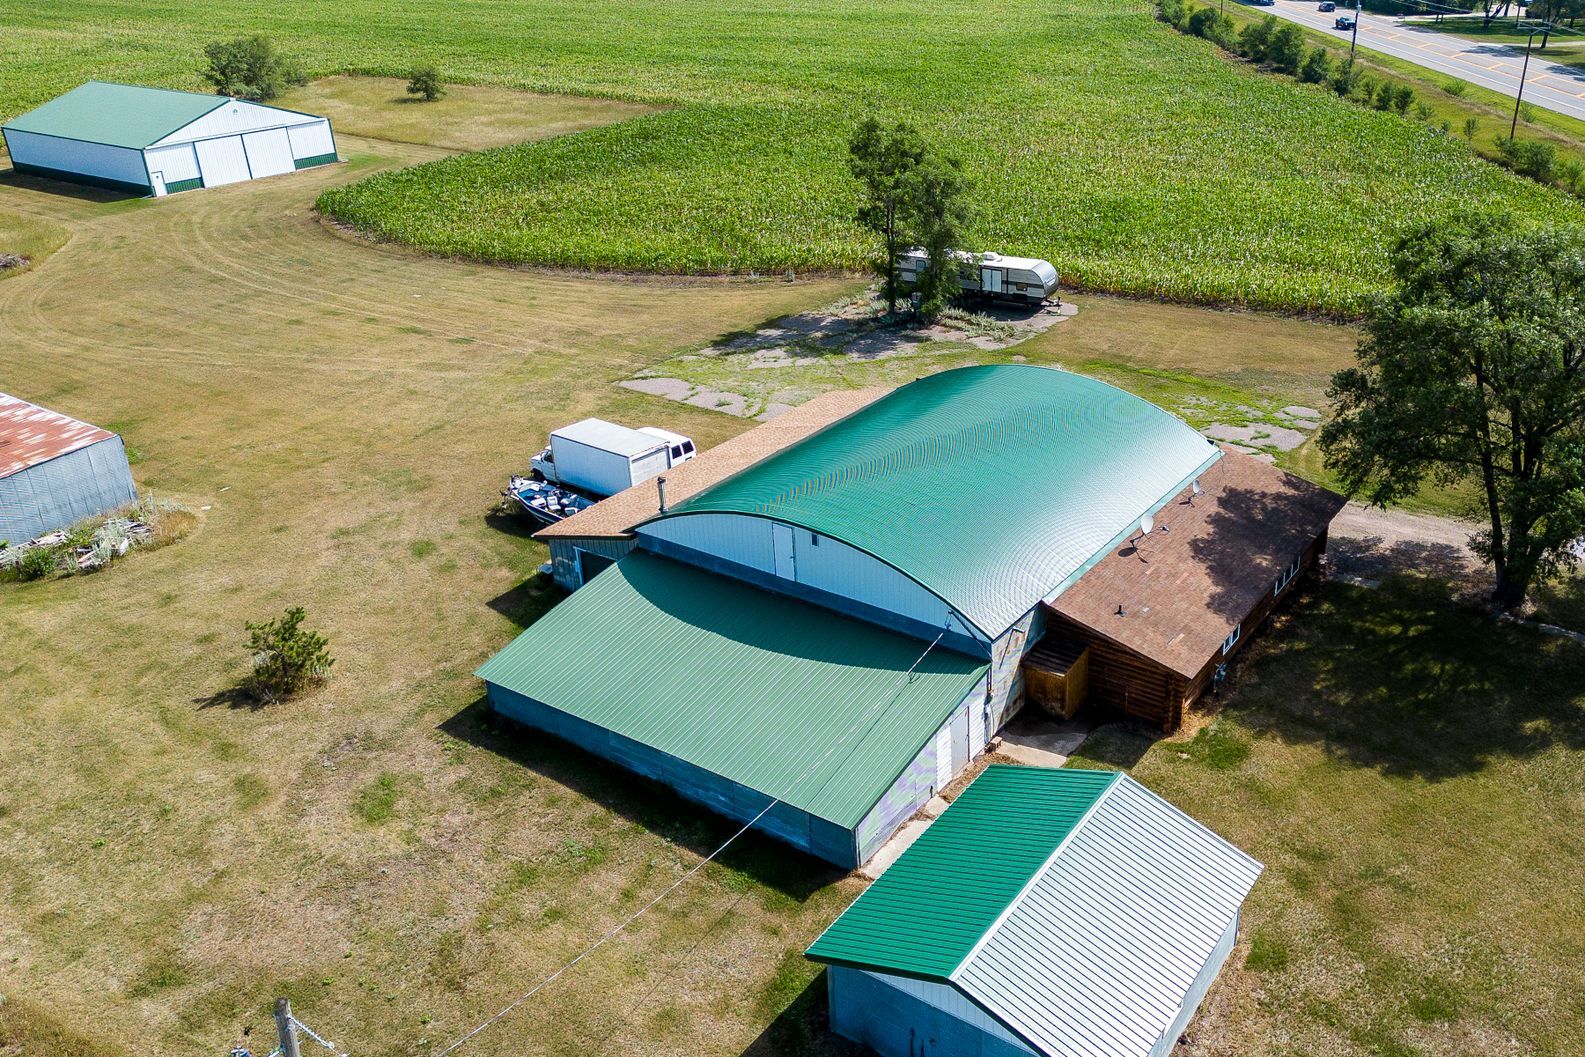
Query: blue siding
735, 801
896, 1024
64, 490
954, 639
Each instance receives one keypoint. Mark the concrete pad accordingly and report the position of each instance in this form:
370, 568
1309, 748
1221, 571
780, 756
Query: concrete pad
1300, 411
936, 805
1282, 438
1033, 757
1221, 431
892, 849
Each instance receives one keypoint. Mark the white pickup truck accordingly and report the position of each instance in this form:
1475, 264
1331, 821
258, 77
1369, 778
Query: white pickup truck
603, 458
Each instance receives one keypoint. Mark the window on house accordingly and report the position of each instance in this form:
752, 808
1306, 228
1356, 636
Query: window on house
1286, 576
814, 540
1232, 640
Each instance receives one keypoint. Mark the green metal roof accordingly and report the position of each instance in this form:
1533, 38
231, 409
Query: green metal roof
991, 486
925, 914
748, 685
121, 115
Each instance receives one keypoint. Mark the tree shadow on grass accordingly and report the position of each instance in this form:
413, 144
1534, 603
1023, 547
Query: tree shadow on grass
1404, 682
237, 697
658, 809
804, 1028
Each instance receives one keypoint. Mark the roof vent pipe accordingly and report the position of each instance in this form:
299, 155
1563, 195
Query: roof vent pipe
660, 488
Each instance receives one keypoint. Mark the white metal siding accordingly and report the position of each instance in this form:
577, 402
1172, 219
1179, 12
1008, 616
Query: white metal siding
223, 161
828, 565
121, 164
269, 153
178, 162
949, 1000
1103, 951
312, 140
236, 116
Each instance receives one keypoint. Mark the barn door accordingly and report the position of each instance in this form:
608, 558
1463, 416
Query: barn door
944, 767
781, 537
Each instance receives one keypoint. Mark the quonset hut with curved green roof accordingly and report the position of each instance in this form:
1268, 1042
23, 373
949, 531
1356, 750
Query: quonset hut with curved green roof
820, 641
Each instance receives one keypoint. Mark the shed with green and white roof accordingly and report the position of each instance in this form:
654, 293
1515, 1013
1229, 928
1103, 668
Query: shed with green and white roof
1064, 913
156, 141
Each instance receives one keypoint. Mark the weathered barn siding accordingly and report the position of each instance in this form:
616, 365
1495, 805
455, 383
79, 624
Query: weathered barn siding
814, 835
893, 1016
566, 566
65, 489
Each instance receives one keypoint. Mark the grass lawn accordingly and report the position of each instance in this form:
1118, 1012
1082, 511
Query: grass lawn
468, 117
27, 236
384, 851
1136, 159
1414, 780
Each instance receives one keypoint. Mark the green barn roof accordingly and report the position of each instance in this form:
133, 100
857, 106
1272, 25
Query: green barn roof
928, 911
120, 115
785, 698
991, 486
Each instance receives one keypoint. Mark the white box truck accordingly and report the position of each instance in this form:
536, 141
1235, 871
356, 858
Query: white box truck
603, 458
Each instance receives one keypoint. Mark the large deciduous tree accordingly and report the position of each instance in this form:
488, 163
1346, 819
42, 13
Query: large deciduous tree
882, 160
938, 214
250, 68
1474, 371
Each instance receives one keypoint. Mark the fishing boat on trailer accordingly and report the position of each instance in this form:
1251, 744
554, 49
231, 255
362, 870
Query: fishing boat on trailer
543, 501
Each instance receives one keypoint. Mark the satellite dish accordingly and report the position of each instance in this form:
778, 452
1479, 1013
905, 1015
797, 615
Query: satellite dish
1146, 524
1195, 487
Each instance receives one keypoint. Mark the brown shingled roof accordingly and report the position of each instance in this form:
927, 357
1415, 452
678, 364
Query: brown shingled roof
30, 434
614, 518
1205, 567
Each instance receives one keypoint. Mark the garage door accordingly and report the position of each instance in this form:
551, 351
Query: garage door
269, 152
222, 161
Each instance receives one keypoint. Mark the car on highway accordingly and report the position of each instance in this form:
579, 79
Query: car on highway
1326, 5
1344, 22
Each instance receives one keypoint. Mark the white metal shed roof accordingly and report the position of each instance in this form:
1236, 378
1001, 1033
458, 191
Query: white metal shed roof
1098, 954
598, 433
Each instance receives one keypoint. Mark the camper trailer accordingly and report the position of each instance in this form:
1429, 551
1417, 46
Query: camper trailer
991, 275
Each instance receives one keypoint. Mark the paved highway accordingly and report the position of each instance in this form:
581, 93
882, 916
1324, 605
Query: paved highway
1495, 66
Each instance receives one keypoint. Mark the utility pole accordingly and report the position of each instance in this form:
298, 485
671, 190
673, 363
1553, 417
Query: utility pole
1354, 40
286, 1028
1513, 128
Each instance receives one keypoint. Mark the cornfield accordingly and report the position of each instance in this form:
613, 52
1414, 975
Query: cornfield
1136, 159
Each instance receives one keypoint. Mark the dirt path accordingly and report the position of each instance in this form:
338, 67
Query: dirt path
1371, 543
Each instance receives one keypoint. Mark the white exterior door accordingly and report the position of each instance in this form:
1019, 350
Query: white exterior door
781, 538
269, 152
157, 181
222, 161
977, 736
944, 757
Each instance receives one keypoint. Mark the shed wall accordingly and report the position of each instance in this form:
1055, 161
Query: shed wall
237, 116
892, 1020
118, 168
178, 163
564, 564
830, 574
1202, 986
312, 144
803, 831
64, 490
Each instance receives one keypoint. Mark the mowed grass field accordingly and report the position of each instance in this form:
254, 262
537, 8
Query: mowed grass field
401, 864
1136, 159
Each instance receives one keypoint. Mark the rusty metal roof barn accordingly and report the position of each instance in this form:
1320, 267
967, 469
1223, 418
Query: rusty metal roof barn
55, 470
